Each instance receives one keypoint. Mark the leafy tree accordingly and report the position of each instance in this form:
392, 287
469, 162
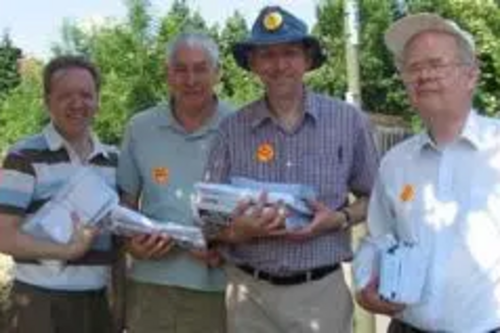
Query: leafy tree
331, 77
131, 55
179, 19
237, 85
130, 65
21, 111
382, 90
74, 40
9, 74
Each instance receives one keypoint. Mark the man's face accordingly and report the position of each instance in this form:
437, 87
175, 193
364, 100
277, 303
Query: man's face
72, 102
438, 81
280, 67
191, 78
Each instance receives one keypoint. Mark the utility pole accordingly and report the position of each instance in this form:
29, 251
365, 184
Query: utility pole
364, 322
400, 9
351, 32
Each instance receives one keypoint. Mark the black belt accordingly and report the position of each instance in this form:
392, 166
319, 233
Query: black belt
298, 278
410, 329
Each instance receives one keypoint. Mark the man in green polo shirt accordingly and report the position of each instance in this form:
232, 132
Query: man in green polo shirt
164, 152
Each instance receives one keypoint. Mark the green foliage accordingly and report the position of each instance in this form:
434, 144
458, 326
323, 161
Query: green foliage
382, 90
9, 74
179, 19
131, 67
331, 77
237, 85
22, 109
131, 56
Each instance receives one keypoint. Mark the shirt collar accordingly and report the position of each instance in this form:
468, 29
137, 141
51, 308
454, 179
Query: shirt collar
56, 141
166, 118
470, 133
262, 112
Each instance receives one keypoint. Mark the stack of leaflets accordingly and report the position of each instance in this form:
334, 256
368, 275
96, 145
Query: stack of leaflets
85, 194
124, 221
366, 263
88, 196
214, 203
401, 268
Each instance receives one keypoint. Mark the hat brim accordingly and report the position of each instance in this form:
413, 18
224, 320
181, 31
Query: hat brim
402, 31
242, 50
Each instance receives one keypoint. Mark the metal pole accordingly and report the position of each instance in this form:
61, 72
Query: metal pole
364, 322
400, 10
351, 30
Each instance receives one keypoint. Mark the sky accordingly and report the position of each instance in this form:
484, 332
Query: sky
35, 25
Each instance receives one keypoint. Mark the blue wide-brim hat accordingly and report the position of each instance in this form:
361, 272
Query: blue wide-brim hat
274, 25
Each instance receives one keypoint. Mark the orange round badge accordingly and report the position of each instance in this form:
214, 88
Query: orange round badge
161, 175
407, 193
265, 153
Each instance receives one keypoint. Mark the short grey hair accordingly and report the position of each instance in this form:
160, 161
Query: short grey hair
195, 40
465, 52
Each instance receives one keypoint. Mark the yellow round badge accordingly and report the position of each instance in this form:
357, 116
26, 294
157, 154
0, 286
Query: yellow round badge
273, 21
160, 175
265, 153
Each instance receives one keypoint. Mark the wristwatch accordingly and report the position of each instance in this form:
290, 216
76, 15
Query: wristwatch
347, 223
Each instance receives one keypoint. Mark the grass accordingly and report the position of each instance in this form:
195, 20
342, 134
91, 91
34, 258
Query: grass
5, 283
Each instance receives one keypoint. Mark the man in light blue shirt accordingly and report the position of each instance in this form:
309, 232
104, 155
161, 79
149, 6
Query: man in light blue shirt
164, 152
440, 189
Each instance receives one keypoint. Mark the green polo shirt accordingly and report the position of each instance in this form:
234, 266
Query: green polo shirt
160, 162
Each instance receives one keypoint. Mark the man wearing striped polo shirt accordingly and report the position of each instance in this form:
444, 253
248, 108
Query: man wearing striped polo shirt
57, 287
282, 281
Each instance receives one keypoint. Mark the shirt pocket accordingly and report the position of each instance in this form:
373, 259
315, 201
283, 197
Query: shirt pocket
324, 173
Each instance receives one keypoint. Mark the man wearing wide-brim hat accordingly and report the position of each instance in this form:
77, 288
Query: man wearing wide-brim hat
282, 280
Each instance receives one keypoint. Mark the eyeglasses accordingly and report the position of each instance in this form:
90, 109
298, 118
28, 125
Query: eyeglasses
434, 69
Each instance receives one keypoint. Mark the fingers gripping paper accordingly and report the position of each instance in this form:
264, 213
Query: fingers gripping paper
88, 196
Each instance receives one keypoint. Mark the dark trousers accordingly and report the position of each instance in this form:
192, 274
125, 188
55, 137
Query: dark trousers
42, 310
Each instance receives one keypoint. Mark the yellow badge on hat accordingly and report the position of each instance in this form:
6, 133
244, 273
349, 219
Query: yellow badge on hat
273, 21
265, 153
160, 175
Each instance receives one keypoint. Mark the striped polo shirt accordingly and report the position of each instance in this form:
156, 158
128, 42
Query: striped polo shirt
33, 171
331, 149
